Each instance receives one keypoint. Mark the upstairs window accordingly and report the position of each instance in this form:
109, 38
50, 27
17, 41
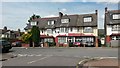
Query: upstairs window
49, 31
63, 30
88, 30
34, 23
87, 19
64, 20
51, 22
115, 27
116, 16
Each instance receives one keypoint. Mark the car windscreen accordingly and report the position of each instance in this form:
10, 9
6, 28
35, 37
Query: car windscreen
4, 42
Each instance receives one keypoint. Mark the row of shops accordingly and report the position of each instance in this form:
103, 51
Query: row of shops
64, 39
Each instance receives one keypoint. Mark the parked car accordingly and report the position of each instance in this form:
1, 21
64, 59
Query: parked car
77, 43
5, 46
17, 44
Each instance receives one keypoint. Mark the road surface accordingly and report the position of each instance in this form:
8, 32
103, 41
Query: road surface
54, 56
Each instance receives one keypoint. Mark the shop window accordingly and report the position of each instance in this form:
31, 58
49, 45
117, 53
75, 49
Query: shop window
71, 39
48, 40
61, 39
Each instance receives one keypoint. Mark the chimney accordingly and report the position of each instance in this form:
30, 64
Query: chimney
60, 14
96, 12
105, 9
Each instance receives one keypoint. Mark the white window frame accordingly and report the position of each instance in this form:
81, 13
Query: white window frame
87, 30
64, 20
33, 23
115, 27
49, 31
51, 22
48, 40
116, 16
87, 19
61, 39
63, 30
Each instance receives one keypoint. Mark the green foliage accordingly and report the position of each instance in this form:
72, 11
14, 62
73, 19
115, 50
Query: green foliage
35, 34
51, 43
26, 37
71, 44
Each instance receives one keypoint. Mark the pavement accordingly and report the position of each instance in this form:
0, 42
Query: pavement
100, 62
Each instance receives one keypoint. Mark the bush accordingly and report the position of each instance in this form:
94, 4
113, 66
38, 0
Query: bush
71, 44
51, 43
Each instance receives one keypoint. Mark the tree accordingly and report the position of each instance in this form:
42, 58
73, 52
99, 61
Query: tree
35, 35
26, 37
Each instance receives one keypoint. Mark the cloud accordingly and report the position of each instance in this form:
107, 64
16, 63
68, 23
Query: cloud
51, 16
108, 1
99, 1
62, 0
37, 0
63, 10
24, 0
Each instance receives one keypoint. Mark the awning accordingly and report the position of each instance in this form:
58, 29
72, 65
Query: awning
46, 36
79, 34
115, 34
75, 34
62, 35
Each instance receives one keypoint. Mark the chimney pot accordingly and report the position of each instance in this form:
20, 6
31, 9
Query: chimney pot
105, 9
60, 14
96, 11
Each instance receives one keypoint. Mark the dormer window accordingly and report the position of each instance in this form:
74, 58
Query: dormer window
87, 19
64, 20
116, 16
34, 23
52, 22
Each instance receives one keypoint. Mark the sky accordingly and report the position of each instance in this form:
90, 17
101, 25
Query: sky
15, 13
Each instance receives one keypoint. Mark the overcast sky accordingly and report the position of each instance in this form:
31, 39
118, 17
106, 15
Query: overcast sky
15, 13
